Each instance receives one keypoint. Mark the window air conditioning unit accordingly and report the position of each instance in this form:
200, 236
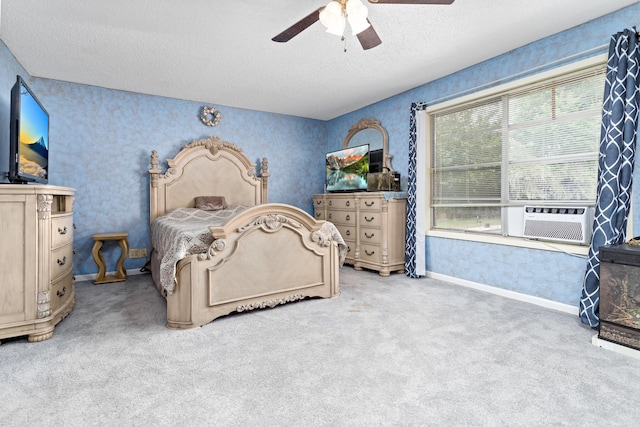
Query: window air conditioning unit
559, 224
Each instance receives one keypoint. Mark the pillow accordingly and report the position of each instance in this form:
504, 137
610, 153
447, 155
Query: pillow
211, 203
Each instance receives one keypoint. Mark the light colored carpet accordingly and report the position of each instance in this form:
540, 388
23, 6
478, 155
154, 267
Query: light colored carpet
388, 351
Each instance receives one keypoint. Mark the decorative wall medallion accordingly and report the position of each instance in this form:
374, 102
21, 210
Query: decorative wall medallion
210, 116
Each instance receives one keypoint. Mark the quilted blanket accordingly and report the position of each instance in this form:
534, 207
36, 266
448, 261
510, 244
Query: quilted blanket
183, 232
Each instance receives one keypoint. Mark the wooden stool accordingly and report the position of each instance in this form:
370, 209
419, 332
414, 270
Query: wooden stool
121, 274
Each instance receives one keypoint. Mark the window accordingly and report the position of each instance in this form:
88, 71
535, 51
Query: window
533, 144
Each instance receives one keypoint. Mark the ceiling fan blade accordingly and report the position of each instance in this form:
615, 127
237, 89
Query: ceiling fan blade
298, 27
413, 1
369, 38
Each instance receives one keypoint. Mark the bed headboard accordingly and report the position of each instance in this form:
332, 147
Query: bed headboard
206, 167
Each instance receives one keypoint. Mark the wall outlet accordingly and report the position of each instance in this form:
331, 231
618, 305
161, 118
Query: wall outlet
138, 253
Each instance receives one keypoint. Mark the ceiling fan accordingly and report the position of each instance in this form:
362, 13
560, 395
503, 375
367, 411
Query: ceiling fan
334, 16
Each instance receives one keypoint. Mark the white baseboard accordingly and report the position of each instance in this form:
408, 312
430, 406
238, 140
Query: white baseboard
607, 345
554, 305
83, 277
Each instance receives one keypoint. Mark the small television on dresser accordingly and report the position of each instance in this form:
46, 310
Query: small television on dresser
29, 137
347, 169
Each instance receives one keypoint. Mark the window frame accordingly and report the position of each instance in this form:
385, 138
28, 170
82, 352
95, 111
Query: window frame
479, 96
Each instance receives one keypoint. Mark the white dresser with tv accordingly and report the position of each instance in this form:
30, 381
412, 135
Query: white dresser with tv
36, 259
372, 225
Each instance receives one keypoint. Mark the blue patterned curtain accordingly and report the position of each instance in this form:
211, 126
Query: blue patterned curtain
413, 240
615, 165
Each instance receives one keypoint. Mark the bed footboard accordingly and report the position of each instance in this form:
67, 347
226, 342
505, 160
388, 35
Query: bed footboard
268, 255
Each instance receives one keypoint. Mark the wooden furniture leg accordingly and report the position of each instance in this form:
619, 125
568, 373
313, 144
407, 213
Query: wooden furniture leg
121, 273
99, 259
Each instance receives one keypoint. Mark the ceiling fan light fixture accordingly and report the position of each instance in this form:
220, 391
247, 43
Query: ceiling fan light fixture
358, 25
356, 9
334, 15
331, 16
337, 27
357, 15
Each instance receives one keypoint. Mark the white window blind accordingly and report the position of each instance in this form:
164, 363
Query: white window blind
534, 143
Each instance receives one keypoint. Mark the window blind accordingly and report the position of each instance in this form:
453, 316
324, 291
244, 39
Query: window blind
537, 142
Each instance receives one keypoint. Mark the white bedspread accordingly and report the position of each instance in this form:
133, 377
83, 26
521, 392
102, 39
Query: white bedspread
183, 232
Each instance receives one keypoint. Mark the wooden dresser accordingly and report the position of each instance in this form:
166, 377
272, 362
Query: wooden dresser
372, 225
36, 259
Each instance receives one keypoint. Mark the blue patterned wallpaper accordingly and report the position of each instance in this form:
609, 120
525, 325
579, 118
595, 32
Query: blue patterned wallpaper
101, 140
517, 269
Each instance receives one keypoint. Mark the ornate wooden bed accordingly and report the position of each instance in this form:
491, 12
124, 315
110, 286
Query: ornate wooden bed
267, 255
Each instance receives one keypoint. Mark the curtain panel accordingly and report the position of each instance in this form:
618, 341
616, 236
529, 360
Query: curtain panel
615, 165
416, 229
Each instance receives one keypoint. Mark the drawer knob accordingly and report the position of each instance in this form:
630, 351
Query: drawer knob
348, 203
368, 236
62, 230
348, 232
369, 219
62, 292
62, 261
330, 215
318, 202
369, 204
348, 217
317, 214
369, 253
330, 202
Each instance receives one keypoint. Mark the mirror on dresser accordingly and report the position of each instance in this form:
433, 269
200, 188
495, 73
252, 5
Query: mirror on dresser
370, 131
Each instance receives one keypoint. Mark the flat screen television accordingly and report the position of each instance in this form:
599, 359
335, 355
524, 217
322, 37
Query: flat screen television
347, 169
29, 137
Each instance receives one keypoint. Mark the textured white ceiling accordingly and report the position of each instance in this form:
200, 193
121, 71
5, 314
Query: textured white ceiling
220, 51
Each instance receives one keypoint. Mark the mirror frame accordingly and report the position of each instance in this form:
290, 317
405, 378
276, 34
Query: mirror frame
372, 124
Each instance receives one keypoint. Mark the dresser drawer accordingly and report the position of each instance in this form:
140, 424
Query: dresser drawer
371, 253
341, 203
370, 236
61, 261
61, 230
61, 291
370, 219
371, 204
350, 251
342, 217
347, 232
